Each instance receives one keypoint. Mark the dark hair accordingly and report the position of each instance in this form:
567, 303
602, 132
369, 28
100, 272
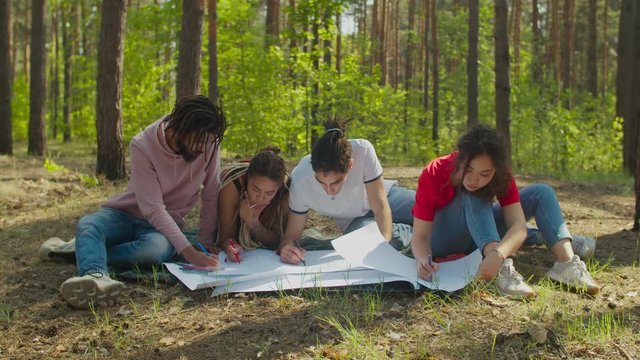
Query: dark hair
480, 140
267, 163
332, 152
191, 121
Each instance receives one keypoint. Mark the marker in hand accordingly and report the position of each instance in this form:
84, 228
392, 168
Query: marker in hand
429, 259
204, 249
235, 249
297, 245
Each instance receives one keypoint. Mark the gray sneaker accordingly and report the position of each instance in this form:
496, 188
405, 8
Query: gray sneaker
95, 288
574, 274
56, 249
510, 283
584, 246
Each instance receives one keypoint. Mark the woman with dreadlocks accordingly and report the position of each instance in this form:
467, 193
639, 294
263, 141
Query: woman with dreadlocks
173, 160
342, 179
252, 203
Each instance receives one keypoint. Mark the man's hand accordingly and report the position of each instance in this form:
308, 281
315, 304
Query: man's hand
291, 254
198, 258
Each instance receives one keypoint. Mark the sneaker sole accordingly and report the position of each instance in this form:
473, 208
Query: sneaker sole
45, 250
580, 289
83, 292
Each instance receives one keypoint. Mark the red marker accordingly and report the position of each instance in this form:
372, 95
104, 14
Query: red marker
233, 246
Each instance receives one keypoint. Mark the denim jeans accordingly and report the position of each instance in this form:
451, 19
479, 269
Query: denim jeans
468, 222
116, 238
401, 202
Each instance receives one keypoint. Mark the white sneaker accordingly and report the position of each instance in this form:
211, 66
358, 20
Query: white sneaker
574, 274
96, 288
510, 282
55, 248
584, 246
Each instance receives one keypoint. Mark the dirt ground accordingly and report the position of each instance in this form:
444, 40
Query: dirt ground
167, 321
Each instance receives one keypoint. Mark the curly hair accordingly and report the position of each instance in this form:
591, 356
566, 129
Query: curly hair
332, 152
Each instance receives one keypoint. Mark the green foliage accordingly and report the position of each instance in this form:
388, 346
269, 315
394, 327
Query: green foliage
282, 95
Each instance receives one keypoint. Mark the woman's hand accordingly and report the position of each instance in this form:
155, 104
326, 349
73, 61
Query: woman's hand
232, 249
198, 258
426, 268
490, 266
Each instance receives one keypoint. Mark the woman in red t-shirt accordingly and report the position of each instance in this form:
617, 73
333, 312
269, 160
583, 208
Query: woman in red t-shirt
455, 213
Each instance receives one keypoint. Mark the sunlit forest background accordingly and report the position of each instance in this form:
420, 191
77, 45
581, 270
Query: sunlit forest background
396, 70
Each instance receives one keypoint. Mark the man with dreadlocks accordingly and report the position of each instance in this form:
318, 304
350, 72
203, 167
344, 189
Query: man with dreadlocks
172, 161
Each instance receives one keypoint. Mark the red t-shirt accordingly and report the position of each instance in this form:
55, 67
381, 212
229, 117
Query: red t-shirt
435, 190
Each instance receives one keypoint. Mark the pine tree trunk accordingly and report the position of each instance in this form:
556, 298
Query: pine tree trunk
383, 42
605, 51
38, 81
472, 65
213, 50
536, 66
517, 20
502, 84
272, 23
375, 46
625, 83
67, 53
190, 48
55, 73
26, 32
110, 157
566, 44
6, 137
434, 70
592, 50
338, 43
425, 85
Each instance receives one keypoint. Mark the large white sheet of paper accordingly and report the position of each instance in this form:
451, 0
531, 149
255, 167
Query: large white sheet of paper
310, 280
367, 247
260, 264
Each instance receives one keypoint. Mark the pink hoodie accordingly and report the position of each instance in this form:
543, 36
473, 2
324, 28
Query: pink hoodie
163, 187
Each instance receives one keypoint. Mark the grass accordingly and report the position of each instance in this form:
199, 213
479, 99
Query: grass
309, 323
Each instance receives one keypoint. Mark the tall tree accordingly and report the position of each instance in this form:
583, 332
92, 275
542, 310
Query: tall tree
592, 49
536, 66
375, 27
472, 65
6, 138
272, 22
338, 42
435, 47
517, 20
110, 157
567, 44
68, 45
26, 33
502, 84
635, 111
625, 83
213, 50
38, 81
188, 77
425, 86
55, 71
605, 50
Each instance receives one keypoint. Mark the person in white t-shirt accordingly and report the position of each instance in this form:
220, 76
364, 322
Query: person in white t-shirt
342, 179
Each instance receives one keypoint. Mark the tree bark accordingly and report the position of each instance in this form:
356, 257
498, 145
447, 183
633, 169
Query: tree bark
110, 157
67, 53
213, 50
536, 66
6, 137
38, 81
55, 72
502, 84
625, 83
188, 74
338, 43
472, 65
272, 23
592, 49
434, 70
605, 51
517, 20
567, 45
26, 32
425, 86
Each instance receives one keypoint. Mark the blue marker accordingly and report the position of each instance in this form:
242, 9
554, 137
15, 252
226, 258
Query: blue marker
204, 249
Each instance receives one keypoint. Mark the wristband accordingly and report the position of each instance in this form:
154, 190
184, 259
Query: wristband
499, 253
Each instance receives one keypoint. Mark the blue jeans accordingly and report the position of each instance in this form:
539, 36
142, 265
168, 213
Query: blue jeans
468, 222
401, 202
116, 238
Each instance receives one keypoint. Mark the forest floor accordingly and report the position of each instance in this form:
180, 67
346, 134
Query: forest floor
161, 321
